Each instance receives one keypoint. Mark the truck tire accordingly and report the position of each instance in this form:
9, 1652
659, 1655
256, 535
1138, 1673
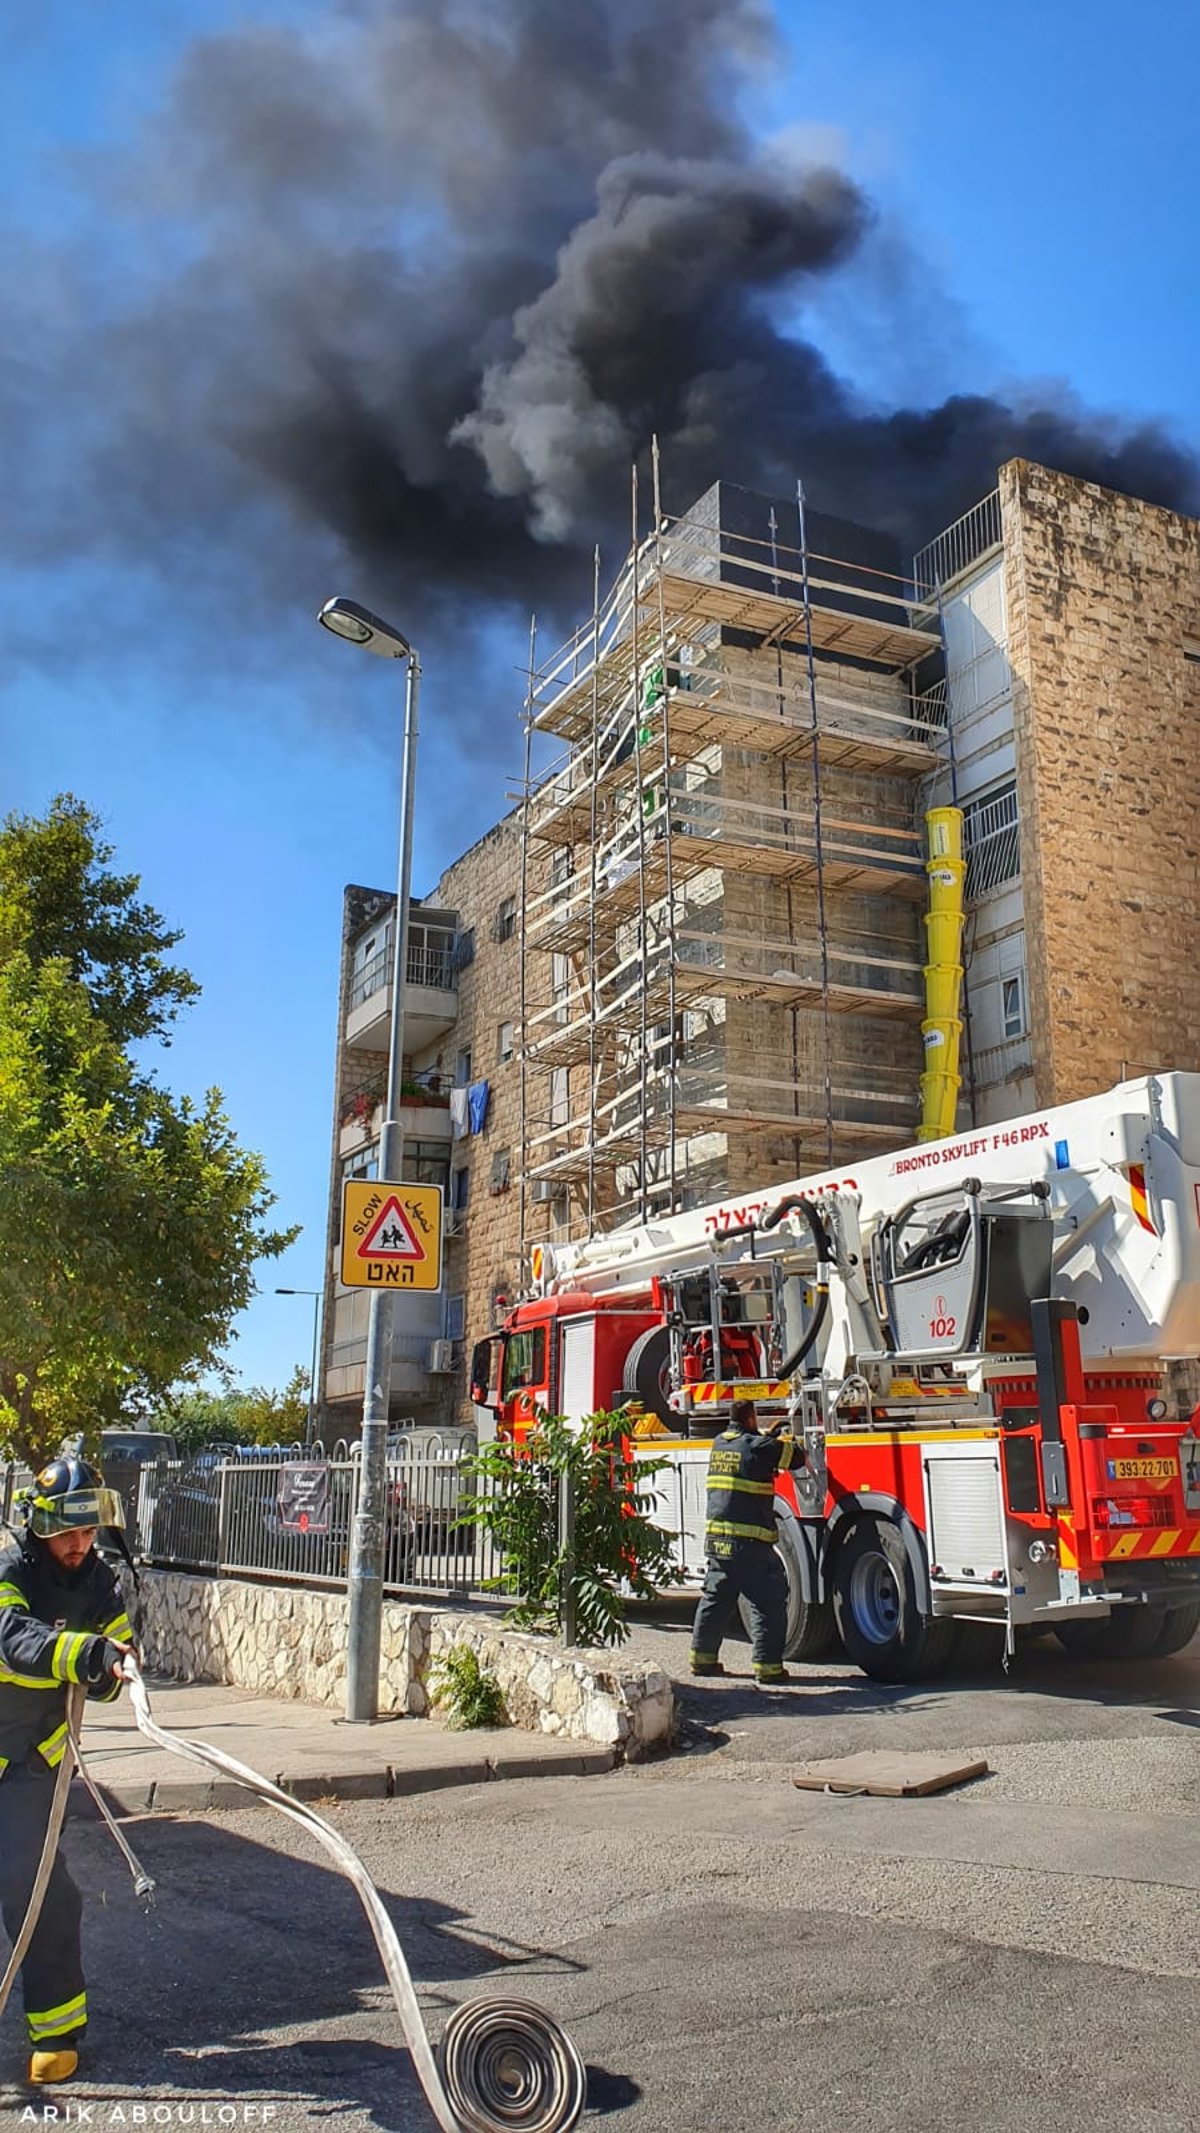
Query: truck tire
810, 1633
876, 1610
1128, 1633
645, 1374
1179, 1627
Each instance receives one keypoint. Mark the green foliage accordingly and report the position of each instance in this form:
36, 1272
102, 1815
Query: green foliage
237, 1415
616, 1544
465, 1691
130, 1220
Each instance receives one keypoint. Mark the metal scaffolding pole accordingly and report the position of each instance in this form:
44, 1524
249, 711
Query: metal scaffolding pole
591, 994
665, 701
643, 1144
818, 847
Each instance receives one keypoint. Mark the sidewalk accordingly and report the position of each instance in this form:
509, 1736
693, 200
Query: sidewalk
307, 1748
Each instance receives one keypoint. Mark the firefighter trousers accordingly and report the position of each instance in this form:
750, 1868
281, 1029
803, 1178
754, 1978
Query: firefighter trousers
52, 1972
754, 1573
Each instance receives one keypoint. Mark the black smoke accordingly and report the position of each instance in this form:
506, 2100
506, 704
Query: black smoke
411, 284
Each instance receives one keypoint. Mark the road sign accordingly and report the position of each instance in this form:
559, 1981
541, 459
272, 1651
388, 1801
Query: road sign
391, 1235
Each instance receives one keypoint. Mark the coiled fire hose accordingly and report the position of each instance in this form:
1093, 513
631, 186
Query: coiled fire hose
502, 2065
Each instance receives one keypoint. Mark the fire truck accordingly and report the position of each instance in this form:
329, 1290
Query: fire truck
971, 1338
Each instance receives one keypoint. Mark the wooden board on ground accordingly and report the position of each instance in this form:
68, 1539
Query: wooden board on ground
890, 1773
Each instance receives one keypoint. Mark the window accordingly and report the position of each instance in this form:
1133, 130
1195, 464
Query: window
371, 965
363, 1164
427, 1162
560, 866
560, 1107
463, 952
1191, 647
456, 1317
1012, 1006
991, 839
462, 1067
501, 1170
505, 1043
524, 1360
505, 924
460, 1187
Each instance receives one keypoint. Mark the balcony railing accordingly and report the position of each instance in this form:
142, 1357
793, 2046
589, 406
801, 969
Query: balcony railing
424, 966
962, 544
991, 842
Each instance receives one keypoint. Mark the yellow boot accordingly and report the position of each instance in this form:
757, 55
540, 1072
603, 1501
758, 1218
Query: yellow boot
53, 2066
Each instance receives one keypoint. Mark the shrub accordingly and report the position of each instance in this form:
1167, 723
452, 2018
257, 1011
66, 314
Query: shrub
466, 1691
618, 1550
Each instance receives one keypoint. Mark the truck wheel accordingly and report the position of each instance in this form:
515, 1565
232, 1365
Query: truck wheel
1128, 1633
1179, 1627
810, 1633
875, 1607
646, 1371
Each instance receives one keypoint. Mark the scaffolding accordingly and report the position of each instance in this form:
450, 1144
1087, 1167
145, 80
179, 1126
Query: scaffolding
723, 875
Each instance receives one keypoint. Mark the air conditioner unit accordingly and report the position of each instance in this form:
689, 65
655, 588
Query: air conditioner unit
441, 1355
541, 1191
452, 1221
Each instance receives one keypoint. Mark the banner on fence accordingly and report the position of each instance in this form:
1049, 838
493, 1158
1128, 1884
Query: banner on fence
304, 1498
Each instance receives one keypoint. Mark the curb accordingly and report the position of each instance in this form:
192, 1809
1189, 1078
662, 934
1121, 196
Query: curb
191, 1796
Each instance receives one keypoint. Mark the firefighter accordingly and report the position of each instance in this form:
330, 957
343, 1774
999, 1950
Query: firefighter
739, 1544
62, 1620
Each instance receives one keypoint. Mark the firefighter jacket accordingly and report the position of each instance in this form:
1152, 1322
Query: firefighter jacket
51, 1622
742, 1467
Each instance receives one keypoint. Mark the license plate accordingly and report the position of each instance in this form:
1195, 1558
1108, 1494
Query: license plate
1141, 1469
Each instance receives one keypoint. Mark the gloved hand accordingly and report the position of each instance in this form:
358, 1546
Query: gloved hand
104, 1661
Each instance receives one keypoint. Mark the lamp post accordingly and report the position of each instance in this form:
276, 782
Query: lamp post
359, 626
312, 1381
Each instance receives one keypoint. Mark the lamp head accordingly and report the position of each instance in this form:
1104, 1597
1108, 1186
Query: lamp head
359, 626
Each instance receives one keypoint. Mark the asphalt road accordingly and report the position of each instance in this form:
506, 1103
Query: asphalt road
729, 1953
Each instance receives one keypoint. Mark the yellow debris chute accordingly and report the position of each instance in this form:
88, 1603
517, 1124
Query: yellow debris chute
941, 1031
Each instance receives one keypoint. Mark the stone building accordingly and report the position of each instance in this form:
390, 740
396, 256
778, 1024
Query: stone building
693, 961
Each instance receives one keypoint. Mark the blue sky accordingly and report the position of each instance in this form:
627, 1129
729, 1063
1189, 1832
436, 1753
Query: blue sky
1038, 174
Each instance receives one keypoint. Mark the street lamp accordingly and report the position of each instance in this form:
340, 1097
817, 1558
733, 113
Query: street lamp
359, 626
312, 1382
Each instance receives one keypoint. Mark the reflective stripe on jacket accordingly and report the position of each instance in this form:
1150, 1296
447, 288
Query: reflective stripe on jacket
742, 1467
50, 1619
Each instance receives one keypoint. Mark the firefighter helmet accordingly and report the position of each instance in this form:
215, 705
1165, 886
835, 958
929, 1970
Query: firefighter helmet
68, 1494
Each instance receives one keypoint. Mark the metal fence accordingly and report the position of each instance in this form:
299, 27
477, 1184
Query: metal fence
14, 1478
229, 1514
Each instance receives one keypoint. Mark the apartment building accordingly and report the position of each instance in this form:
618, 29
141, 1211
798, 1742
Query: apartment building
460, 1111
692, 959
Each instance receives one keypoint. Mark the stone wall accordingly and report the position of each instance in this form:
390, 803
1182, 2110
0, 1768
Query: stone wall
291, 1642
1103, 597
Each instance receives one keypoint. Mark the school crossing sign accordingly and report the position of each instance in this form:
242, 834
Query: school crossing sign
391, 1235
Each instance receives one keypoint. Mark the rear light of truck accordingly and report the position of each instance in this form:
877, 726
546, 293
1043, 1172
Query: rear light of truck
1110, 1513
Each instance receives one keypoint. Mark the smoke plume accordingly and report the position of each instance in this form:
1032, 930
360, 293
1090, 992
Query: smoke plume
411, 285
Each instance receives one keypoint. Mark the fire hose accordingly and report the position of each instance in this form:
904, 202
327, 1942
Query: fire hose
502, 2065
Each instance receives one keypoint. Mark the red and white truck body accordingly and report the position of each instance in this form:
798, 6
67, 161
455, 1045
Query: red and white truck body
971, 1336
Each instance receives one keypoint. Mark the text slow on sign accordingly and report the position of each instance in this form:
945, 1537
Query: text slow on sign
391, 1235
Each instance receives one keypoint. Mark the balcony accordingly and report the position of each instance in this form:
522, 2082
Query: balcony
430, 997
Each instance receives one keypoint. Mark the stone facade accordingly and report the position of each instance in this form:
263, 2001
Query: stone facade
291, 1642
1103, 596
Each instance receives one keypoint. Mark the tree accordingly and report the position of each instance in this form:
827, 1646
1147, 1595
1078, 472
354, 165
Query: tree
237, 1416
130, 1220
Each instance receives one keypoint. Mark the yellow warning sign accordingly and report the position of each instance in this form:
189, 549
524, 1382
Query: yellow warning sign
391, 1235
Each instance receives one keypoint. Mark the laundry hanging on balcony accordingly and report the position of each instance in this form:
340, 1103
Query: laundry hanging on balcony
459, 1122
477, 1104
